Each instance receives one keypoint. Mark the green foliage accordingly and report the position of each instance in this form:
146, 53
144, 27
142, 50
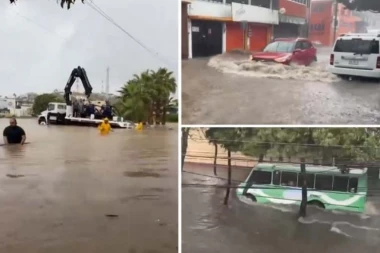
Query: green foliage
146, 97
63, 2
361, 5
41, 102
342, 144
172, 118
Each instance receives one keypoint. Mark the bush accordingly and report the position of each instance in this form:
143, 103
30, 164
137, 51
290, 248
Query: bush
172, 118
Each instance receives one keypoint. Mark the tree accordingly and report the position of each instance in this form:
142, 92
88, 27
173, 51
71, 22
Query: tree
361, 5
210, 134
231, 140
41, 102
184, 141
63, 2
325, 144
148, 95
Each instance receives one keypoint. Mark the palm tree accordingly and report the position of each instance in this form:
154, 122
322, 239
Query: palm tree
165, 84
63, 2
153, 88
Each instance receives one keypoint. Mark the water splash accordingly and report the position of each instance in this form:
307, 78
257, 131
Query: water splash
230, 64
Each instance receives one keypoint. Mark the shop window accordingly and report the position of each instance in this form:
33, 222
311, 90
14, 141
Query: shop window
237, 1
261, 3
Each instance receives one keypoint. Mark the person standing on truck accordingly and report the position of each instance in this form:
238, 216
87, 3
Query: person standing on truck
13, 134
80, 108
107, 110
76, 108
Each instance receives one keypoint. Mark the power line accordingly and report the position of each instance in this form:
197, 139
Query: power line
107, 17
37, 24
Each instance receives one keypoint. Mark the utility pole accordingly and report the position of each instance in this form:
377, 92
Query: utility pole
335, 20
108, 81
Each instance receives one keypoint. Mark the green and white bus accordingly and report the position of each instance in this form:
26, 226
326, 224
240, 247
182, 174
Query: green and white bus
328, 187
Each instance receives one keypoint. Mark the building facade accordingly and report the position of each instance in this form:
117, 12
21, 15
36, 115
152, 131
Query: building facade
217, 26
294, 18
322, 13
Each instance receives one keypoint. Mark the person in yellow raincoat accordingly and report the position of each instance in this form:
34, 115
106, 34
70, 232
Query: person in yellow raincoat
105, 127
139, 126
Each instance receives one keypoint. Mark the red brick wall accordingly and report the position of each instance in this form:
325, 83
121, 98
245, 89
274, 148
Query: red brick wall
294, 9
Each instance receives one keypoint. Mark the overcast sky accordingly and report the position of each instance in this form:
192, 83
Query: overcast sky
38, 51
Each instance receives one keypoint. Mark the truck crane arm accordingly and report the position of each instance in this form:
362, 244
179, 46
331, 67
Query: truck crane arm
77, 73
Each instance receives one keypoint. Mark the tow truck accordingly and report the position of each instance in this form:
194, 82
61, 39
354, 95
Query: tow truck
62, 113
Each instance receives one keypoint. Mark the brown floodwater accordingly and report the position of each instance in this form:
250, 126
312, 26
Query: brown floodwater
72, 190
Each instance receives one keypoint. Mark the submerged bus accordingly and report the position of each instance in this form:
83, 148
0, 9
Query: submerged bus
328, 187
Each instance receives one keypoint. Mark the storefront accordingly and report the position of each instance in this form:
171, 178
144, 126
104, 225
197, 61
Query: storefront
206, 38
246, 36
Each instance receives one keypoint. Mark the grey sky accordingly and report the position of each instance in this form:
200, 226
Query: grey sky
40, 59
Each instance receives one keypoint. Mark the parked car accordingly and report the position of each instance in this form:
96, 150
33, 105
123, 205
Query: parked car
356, 54
288, 50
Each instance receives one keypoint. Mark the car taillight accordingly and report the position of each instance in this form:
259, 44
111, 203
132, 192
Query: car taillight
331, 59
378, 62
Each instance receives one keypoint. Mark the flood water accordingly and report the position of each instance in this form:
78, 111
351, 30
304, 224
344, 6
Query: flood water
208, 226
72, 190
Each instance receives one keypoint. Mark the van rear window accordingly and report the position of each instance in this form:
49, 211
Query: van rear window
358, 46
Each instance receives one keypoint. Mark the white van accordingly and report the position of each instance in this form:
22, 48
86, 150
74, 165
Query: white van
356, 54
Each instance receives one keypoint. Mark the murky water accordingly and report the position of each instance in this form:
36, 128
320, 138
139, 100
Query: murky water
71, 190
242, 226
239, 64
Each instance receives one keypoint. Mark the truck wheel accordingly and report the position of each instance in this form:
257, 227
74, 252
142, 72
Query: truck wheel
42, 121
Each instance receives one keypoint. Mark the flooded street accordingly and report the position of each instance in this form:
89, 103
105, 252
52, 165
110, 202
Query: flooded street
72, 190
209, 226
273, 95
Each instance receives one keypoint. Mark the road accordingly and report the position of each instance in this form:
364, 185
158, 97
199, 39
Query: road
208, 226
58, 192
228, 92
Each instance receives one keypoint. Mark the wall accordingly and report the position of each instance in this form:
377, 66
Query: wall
184, 32
294, 9
209, 10
320, 28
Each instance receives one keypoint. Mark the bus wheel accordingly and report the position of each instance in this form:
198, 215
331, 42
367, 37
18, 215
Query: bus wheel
251, 197
316, 204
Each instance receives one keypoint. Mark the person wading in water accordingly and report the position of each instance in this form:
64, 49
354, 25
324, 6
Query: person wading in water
13, 134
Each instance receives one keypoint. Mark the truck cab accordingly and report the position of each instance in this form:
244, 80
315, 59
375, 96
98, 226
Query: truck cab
55, 112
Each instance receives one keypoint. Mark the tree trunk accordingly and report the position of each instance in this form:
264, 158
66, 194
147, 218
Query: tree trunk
163, 121
185, 136
302, 212
215, 157
229, 178
261, 158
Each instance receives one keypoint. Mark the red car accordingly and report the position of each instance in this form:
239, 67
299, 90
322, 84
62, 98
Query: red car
288, 50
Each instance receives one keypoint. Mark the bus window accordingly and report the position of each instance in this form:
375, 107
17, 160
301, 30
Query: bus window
353, 185
340, 184
323, 182
261, 177
309, 180
289, 178
276, 177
